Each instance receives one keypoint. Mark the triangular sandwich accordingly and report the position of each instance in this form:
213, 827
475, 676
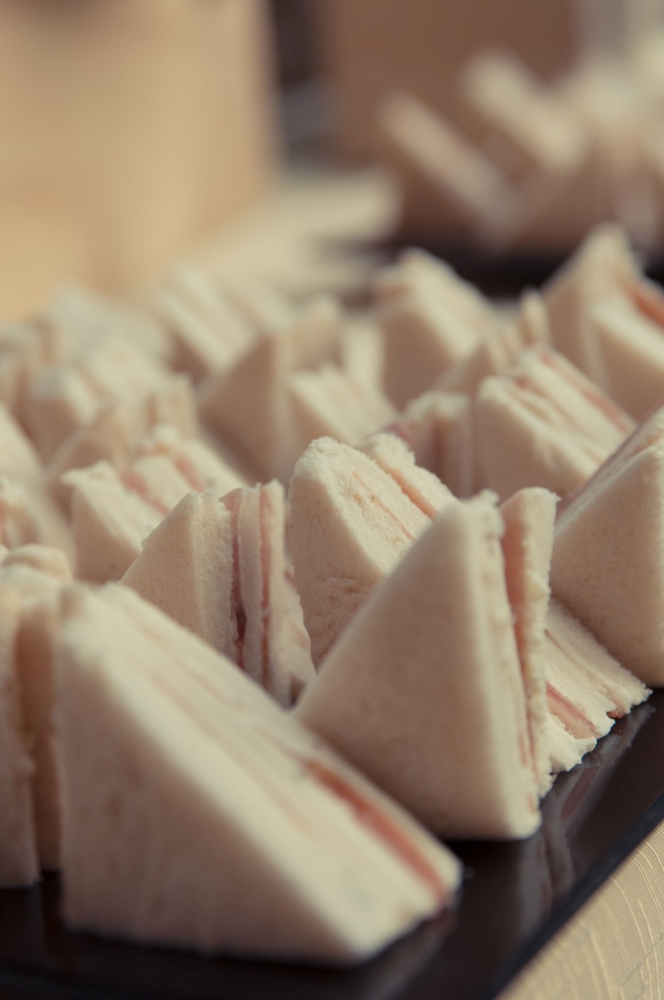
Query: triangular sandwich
218, 568
423, 691
199, 815
349, 525
544, 423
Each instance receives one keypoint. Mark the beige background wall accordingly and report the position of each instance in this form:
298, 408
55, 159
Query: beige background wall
128, 129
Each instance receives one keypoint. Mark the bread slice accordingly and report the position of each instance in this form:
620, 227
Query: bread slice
63, 398
607, 557
499, 350
208, 332
109, 522
464, 185
19, 865
114, 432
20, 463
544, 424
423, 691
430, 322
632, 345
30, 579
392, 455
199, 464
349, 525
587, 688
437, 426
199, 815
330, 403
18, 525
248, 406
218, 568
527, 543
533, 128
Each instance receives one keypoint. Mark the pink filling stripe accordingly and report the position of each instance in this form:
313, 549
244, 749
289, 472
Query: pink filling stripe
375, 499
137, 484
266, 565
232, 504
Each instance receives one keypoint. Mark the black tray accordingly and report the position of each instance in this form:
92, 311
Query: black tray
514, 898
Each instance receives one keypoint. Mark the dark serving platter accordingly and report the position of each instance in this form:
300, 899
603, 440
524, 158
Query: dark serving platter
514, 898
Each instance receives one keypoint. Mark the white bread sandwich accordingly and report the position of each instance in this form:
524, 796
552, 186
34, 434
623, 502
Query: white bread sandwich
19, 864
606, 564
544, 423
330, 403
196, 814
430, 320
75, 319
20, 463
604, 269
109, 522
392, 455
218, 568
198, 463
587, 689
533, 129
575, 689
438, 428
527, 543
248, 406
428, 660
500, 349
349, 525
450, 181
209, 333
30, 578
631, 339
18, 525
115, 432
64, 397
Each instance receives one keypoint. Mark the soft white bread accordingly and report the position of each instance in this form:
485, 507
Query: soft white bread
601, 266
607, 679
499, 349
437, 426
423, 690
430, 321
157, 481
544, 424
632, 345
197, 814
349, 524
218, 568
30, 579
200, 465
113, 434
392, 455
185, 568
20, 463
330, 403
529, 517
607, 557
109, 522
18, 525
19, 863
248, 405
65, 397
463, 184
532, 127
209, 333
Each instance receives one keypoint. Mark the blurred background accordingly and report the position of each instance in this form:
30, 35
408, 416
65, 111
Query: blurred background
301, 139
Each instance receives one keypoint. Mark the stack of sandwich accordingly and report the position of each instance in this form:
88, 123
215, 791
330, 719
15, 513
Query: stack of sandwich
284, 599
546, 161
